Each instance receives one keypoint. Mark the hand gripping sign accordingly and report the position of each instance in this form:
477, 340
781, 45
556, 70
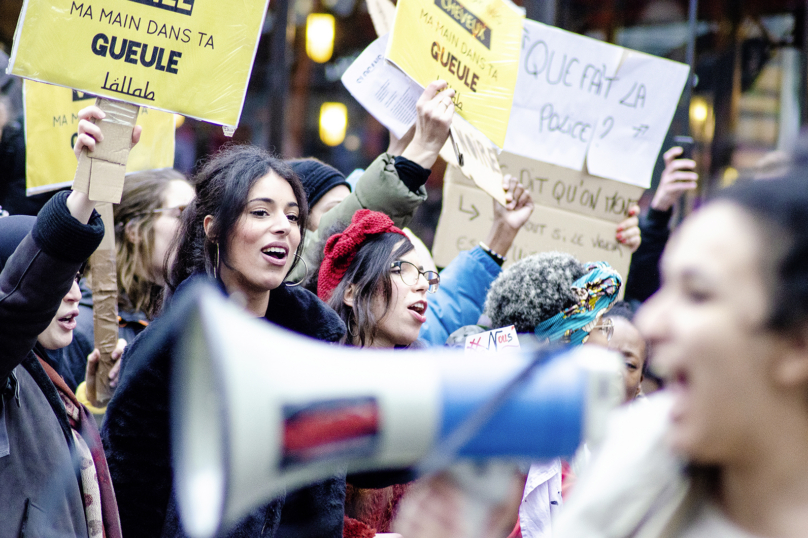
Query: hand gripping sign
51, 121
472, 44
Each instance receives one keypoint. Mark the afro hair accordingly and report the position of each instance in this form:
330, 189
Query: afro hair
533, 290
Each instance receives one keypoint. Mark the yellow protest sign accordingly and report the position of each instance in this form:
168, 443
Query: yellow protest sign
51, 121
472, 44
193, 58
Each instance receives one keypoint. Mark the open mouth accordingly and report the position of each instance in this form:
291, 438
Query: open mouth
276, 254
68, 322
418, 310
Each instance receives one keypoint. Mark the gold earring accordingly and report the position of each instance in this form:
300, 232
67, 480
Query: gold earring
305, 276
216, 267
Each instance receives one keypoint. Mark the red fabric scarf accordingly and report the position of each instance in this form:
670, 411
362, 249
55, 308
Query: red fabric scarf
88, 431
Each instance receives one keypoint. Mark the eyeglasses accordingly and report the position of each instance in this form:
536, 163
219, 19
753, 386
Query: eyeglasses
606, 328
171, 211
175, 212
409, 274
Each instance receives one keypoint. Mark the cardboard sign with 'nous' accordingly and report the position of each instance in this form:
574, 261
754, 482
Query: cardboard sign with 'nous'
500, 340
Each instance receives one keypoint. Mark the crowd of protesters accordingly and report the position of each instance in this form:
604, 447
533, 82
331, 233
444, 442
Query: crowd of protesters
716, 311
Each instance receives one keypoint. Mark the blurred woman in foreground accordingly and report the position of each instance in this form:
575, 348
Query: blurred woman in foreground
729, 329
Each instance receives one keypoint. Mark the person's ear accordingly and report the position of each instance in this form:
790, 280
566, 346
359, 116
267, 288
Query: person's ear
132, 233
791, 365
348, 295
207, 223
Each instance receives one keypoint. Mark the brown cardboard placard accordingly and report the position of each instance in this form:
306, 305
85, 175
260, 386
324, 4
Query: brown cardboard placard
468, 213
382, 14
572, 190
100, 173
479, 157
106, 181
105, 303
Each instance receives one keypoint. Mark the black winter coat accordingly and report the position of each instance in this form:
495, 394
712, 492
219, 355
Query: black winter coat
136, 439
643, 275
40, 493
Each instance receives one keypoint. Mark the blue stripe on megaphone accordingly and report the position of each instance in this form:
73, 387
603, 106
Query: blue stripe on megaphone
543, 417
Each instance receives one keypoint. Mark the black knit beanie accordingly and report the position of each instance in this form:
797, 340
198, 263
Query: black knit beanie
317, 177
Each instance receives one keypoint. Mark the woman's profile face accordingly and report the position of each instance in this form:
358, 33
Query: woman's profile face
177, 195
263, 242
706, 328
406, 311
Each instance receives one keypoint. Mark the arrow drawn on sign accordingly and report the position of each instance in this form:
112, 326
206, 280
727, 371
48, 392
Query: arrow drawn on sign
473, 211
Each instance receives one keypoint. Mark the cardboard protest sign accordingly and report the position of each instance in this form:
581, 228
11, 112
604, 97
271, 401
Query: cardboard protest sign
382, 14
581, 102
494, 341
382, 89
100, 173
479, 158
51, 120
468, 212
472, 44
572, 190
193, 58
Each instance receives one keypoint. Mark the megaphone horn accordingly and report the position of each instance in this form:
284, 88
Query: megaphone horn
258, 410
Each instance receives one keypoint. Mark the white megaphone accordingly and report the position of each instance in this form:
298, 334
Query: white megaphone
258, 410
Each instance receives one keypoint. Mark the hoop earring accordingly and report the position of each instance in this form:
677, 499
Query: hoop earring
351, 324
302, 280
216, 267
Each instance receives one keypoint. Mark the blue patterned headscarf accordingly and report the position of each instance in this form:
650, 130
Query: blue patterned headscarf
596, 291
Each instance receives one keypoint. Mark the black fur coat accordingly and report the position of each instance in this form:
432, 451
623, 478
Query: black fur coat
136, 437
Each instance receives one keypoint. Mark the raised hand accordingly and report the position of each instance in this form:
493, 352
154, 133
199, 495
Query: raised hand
89, 133
435, 111
508, 220
677, 178
628, 231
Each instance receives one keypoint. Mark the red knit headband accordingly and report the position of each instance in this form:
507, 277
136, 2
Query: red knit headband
340, 249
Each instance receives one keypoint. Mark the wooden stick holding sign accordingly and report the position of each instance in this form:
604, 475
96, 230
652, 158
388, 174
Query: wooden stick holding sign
103, 277
100, 174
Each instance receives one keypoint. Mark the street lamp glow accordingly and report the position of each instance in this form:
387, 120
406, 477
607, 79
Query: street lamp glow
333, 123
320, 36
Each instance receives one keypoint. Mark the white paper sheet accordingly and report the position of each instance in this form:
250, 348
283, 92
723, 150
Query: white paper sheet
382, 89
564, 80
639, 110
579, 100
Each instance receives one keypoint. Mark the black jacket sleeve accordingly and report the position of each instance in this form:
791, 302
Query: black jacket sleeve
643, 274
39, 274
412, 174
